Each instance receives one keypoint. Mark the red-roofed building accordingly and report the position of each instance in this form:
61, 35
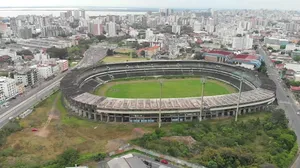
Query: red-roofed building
5, 58
295, 88
150, 51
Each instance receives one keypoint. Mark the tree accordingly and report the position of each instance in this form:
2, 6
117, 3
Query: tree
143, 53
110, 52
296, 58
24, 52
68, 158
282, 47
255, 47
60, 53
101, 37
199, 56
212, 164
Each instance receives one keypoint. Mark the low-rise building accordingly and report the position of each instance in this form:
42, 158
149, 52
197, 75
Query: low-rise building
2, 97
8, 87
63, 65
20, 88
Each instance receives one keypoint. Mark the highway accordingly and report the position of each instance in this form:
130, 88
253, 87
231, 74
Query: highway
285, 99
33, 96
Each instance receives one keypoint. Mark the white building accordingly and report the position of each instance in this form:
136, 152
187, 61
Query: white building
176, 29
8, 87
111, 28
197, 26
27, 77
242, 43
2, 97
41, 57
45, 71
149, 34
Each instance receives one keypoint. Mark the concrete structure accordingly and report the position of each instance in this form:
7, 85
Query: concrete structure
8, 87
111, 27
149, 34
242, 43
127, 161
258, 92
176, 29
63, 65
41, 57
27, 77
44, 71
2, 97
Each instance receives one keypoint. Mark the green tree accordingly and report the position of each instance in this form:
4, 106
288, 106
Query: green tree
143, 53
282, 47
296, 58
101, 37
68, 158
24, 52
212, 164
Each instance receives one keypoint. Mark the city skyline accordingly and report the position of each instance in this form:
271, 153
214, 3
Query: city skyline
194, 4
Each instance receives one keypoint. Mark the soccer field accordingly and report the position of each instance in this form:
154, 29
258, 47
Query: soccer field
172, 88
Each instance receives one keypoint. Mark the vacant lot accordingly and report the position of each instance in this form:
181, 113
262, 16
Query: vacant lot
172, 88
58, 131
121, 58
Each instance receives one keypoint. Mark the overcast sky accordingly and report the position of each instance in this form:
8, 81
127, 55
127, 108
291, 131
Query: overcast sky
218, 4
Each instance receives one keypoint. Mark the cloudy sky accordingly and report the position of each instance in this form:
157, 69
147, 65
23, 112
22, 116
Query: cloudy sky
218, 4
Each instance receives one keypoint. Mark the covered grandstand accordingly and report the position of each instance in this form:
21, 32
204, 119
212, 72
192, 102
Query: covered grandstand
258, 92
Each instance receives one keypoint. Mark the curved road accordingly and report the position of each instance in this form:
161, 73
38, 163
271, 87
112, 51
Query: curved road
33, 96
285, 99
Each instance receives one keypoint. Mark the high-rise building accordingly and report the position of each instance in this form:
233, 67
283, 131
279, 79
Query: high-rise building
82, 13
149, 34
25, 33
242, 43
76, 14
8, 87
111, 28
176, 29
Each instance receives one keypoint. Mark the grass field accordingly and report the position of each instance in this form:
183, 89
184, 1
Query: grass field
63, 132
172, 88
121, 58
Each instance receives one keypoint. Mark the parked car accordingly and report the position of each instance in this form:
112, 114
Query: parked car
164, 161
157, 160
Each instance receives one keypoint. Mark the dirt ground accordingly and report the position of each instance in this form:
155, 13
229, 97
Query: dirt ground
57, 132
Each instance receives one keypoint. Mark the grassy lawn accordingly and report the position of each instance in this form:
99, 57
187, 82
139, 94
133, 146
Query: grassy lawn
172, 88
121, 58
124, 50
63, 132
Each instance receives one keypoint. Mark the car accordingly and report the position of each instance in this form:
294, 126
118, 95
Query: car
10, 118
164, 161
156, 159
287, 96
298, 113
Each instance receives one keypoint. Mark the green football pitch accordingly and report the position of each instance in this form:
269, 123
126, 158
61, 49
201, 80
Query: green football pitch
171, 88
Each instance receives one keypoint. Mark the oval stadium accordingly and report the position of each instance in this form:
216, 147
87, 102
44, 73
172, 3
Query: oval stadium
257, 93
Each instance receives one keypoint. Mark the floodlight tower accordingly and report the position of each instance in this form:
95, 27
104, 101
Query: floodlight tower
203, 81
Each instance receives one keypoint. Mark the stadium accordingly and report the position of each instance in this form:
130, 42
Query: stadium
257, 93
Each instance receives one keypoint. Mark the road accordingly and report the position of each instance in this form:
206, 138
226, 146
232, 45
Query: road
285, 99
154, 163
33, 96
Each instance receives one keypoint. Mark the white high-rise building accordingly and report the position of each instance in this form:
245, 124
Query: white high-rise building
149, 34
197, 26
8, 87
242, 43
76, 14
111, 28
176, 29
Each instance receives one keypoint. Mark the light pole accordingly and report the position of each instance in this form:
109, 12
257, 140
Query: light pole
203, 81
159, 116
239, 98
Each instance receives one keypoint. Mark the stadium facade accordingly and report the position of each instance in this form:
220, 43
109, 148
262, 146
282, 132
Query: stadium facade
257, 93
